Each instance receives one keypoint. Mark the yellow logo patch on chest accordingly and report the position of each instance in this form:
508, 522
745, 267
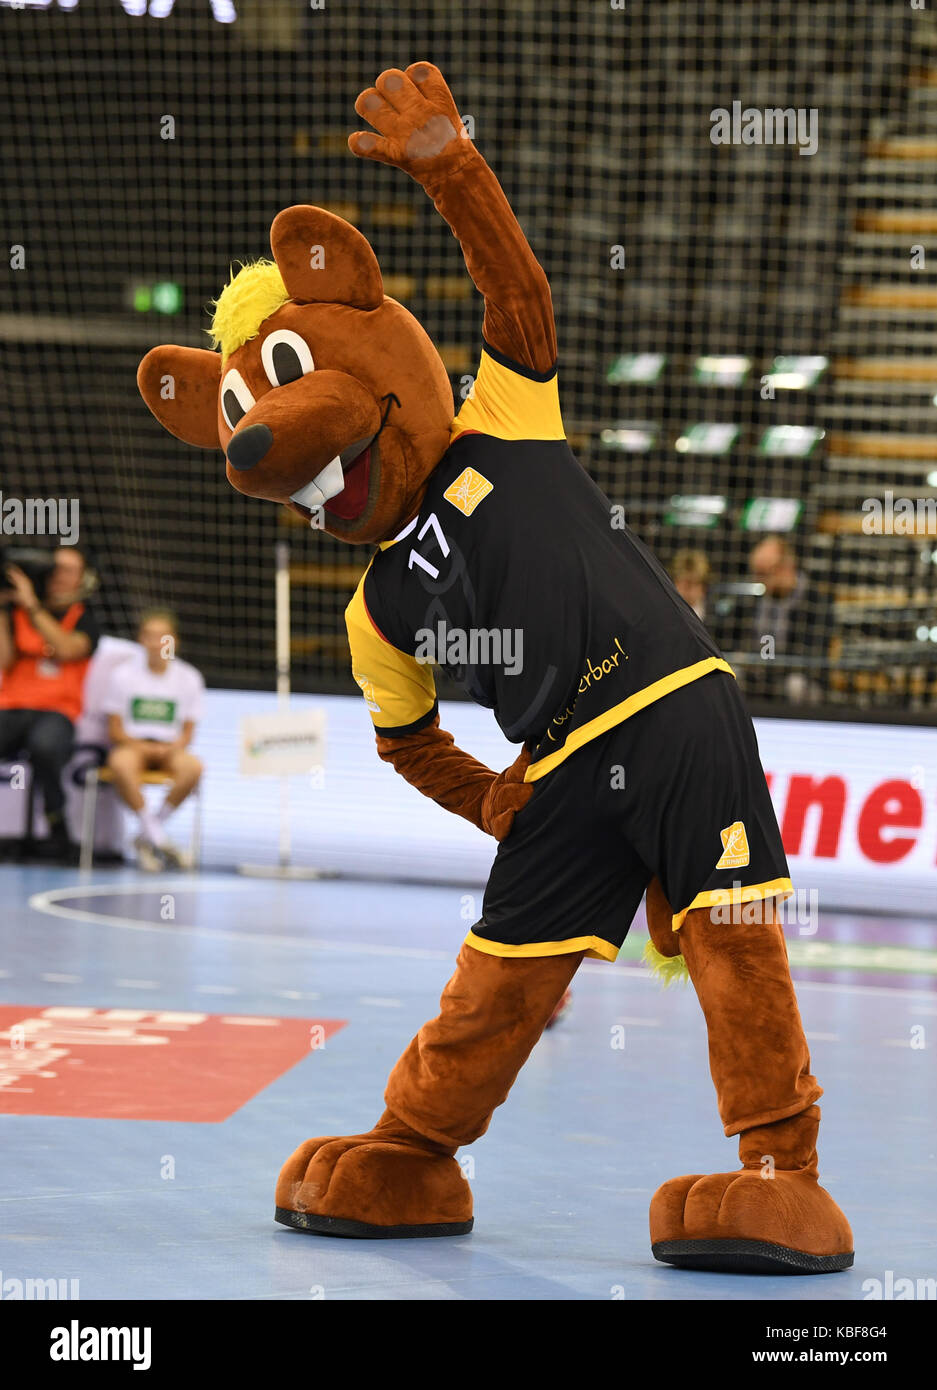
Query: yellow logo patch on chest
469, 488
735, 851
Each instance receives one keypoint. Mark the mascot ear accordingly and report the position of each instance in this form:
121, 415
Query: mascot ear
180, 386
325, 260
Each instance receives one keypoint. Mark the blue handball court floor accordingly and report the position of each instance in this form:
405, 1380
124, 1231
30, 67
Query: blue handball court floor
165, 1044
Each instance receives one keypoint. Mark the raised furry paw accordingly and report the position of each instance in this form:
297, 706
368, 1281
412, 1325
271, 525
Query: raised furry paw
419, 128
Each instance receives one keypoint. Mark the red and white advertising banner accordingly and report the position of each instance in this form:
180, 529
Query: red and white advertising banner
857, 806
857, 803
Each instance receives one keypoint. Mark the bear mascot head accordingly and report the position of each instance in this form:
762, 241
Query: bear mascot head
324, 394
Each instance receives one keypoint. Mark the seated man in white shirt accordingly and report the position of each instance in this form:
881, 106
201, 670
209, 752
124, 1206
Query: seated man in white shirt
153, 706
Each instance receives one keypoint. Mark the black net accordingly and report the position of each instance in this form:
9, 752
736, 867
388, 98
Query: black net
745, 327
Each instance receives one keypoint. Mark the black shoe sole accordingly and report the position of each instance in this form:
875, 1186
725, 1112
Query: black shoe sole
747, 1257
362, 1230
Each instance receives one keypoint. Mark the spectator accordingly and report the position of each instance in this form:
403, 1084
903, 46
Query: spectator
798, 623
153, 706
690, 573
45, 646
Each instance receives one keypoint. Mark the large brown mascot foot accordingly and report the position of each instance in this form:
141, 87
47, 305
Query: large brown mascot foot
771, 1216
395, 1182
401, 1179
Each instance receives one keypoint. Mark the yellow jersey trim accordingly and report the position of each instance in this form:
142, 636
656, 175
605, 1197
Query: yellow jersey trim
747, 893
507, 405
634, 703
399, 691
593, 946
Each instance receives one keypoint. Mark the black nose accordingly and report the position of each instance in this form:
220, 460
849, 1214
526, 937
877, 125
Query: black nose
248, 447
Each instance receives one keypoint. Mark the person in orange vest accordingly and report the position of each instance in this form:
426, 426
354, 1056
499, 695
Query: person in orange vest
46, 645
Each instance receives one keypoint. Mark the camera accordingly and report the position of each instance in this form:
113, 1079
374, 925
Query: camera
36, 564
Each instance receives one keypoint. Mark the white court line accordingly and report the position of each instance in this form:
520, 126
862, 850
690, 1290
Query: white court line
152, 885
49, 902
926, 996
118, 1192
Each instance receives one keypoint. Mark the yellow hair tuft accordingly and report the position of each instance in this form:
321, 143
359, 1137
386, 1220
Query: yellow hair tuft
254, 292
668, 969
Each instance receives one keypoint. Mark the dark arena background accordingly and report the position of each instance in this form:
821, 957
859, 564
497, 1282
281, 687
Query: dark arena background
748, 370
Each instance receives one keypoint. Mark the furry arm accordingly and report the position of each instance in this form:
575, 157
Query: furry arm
430, 761
422, 133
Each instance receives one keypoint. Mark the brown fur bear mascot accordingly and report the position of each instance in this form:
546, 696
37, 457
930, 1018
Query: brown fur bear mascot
639, 768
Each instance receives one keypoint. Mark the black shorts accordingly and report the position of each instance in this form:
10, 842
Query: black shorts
676, 791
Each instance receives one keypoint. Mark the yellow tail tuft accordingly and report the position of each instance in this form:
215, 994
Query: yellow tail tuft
668, 969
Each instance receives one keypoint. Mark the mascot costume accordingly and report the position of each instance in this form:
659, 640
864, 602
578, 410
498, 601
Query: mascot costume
639, 769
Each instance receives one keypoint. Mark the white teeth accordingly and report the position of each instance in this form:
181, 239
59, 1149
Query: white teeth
331, 480
327, 483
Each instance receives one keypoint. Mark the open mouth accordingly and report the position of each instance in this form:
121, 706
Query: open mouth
342, 486
352, 500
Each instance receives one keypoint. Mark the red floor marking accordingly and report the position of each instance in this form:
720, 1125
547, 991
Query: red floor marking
145, 1064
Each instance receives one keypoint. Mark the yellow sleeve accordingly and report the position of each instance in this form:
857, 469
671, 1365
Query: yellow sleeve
510, 402
398, 690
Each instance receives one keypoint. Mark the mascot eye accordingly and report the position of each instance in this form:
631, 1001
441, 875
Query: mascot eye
286, 357
236, 399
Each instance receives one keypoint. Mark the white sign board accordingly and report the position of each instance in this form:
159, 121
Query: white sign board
282, 745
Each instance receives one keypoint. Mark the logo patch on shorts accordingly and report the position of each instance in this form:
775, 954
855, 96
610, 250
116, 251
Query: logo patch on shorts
469, 488
735, 851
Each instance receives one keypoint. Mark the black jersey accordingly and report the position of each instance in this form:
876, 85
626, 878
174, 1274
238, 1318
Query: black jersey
518, 578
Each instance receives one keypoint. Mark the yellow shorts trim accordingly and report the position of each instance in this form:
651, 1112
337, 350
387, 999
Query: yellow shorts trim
593, 946
634, 703
721, 897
